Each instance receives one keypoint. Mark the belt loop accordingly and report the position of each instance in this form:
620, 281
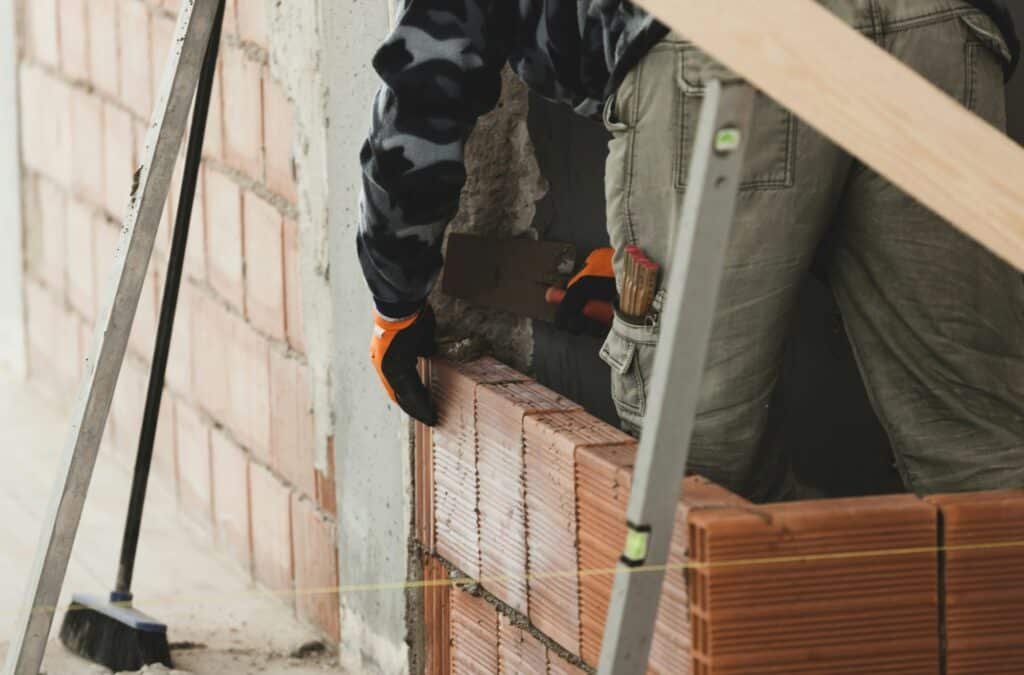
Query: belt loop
877, 22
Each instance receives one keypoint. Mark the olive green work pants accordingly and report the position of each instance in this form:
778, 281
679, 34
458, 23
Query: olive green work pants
936, 321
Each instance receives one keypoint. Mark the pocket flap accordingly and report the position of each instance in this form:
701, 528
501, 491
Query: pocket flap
989, 34
618, 352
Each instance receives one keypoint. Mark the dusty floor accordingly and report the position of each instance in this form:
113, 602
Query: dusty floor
229, 626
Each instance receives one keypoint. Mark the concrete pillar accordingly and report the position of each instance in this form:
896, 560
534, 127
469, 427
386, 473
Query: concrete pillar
372, 439
12, 329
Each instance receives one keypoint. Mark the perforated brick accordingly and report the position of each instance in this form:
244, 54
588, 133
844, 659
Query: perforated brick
835, 586
519, 652
551, 442
474, 634
984, 581
501, 410
456, 523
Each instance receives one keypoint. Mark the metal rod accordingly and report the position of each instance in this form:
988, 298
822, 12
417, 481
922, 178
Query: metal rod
168, 308
686, 322
195, 25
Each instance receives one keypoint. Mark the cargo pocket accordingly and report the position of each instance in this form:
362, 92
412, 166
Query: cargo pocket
629, 352
987, 58
771, 153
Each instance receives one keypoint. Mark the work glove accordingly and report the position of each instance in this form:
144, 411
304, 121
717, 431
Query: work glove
595, 282
394, 350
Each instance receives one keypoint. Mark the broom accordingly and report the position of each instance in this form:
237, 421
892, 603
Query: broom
109, 631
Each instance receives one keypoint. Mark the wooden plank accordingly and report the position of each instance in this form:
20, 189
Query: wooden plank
872, 105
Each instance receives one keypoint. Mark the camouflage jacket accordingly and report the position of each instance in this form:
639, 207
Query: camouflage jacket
441, 69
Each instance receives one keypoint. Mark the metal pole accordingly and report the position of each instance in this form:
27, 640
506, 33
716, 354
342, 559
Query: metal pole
168, 308
693, 284
145, 208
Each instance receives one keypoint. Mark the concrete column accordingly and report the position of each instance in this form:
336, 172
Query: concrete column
12, 328
372, 439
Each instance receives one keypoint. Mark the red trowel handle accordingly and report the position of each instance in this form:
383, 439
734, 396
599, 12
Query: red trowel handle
595, 310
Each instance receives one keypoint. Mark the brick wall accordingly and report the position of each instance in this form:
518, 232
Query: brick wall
236, 430
872, 584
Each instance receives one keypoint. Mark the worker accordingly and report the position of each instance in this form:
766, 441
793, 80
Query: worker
935, 320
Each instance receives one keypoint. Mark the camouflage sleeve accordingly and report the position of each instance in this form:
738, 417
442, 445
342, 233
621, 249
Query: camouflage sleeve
441, 68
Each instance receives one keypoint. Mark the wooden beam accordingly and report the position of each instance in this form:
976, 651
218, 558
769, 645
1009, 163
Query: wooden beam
872, 105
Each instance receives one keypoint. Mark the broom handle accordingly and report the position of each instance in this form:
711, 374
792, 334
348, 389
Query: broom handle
168, 306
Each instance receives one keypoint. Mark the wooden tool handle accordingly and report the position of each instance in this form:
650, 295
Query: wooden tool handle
596, 310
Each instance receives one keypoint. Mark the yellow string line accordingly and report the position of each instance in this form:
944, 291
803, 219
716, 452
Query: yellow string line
607, 571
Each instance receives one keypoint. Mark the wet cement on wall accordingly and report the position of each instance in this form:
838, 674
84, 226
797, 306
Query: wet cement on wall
499, 200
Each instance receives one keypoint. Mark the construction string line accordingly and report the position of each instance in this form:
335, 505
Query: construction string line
608, 571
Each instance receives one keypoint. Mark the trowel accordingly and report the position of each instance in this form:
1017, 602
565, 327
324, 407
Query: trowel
523, 276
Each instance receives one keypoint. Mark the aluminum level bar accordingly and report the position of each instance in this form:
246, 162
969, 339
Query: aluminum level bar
134, 250
698, 260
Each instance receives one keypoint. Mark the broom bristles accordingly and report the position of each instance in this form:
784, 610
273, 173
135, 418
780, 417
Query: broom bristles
102, 639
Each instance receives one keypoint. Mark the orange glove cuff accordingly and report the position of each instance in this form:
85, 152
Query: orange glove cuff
384, 333
599, 264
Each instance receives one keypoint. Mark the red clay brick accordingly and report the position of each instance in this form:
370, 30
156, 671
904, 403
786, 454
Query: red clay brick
249, 386
106, 239
136, 76
118, 160
604, 478
32, 82
316, 568
179, 361
436, 617
848, 612
46, 241
326, 489
43, 30
271, 535
74, 38
559, 666
195, 250
46, 124
293, 287
242, 101
551, 443
194, 480
519, 653
162, 29
230, 18
231, 496
104, 43
423, 476
279, 129
474, 633
291, 450
983, 570
212, 341
80, 259
87, 147
500, 411
165, 460
454, 457
252, 22
143, 335
224, 238
213, 140
264, 278
127, 408
53, 355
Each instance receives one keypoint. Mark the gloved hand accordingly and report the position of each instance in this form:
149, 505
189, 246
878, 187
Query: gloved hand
394, 349
596, 281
